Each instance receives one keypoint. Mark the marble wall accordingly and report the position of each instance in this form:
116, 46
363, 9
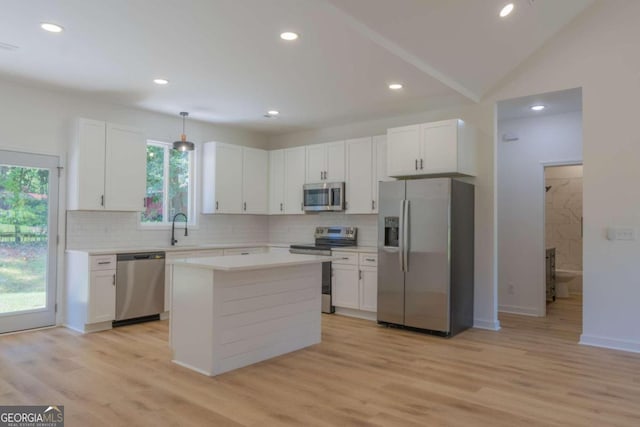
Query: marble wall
563, 215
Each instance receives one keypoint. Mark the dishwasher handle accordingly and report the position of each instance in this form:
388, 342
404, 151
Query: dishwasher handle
141, 256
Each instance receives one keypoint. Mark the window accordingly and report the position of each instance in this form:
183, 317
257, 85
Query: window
170, 184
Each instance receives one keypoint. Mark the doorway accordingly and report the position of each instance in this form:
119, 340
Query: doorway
563, 231
534, 132
28, 240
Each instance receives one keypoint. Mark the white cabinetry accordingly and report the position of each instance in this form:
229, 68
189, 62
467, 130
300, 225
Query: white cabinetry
366, 167
325, 162
234, 179
107, 167
440, 148
294, 175
355, 281
286, 178
90, 291
255, 189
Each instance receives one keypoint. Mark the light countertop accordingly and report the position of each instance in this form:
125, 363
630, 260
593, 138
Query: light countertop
252, 261
207, 246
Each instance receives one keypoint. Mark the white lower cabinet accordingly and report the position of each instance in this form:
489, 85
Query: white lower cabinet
355, 281
102, 296
90, 291
369, 289
345, 286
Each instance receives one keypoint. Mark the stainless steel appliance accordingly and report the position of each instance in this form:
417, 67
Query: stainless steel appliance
327, 196
425, 255
139, 287
327, 238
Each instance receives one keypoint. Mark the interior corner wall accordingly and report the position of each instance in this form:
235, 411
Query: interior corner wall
520, 197
598, 52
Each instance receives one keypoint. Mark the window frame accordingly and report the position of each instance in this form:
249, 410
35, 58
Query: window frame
193, 218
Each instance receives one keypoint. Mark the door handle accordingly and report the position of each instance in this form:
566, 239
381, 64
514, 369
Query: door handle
405, 237
421, 164
401, 236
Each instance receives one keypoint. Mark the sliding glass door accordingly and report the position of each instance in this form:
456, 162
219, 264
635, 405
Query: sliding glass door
28, 240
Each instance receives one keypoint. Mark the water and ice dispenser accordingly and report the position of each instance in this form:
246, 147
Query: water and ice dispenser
391, 231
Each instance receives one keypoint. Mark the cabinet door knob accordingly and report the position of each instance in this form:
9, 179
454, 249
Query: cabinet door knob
416, 164
217, 205
359, 274
244, 206
421, 164
281, 207
373, 205
114, 280
102, 200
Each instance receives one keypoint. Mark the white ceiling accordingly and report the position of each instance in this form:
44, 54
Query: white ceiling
226, 63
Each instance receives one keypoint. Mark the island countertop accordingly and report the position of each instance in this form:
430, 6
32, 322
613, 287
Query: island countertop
251, 261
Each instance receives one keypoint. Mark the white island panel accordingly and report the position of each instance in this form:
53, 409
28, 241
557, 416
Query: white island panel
227, 319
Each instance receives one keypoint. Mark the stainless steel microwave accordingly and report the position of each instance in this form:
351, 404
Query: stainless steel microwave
327, 196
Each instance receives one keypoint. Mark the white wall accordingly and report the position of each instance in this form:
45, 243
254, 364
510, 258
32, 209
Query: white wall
520, 197
599, 52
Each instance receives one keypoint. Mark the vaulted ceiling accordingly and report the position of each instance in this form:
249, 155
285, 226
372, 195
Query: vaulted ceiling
226, 63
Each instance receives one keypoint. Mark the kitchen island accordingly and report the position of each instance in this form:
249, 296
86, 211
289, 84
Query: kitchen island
233, 311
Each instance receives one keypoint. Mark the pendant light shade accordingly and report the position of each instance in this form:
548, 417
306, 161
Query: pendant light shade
183, 144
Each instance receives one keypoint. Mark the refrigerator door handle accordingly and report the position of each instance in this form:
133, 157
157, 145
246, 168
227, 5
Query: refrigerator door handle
401, 236
405, 237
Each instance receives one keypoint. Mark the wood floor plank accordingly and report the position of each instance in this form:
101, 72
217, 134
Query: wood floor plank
532, 373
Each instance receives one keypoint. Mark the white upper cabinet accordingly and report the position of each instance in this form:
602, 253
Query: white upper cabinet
106, 168
276, 182
440, 148
255, 185
222, 178
294, 178
325, 162
380, 167
234, 179
359, 183
403, 150
125, 169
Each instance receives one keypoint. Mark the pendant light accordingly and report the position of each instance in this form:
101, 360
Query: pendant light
183, 144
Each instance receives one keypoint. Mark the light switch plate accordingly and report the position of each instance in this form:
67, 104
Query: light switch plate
621, 233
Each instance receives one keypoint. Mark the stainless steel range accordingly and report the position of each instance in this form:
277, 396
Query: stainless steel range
326, 239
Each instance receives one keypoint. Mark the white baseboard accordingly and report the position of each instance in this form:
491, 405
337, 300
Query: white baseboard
515, 309
612, 343
360, 314
486, 324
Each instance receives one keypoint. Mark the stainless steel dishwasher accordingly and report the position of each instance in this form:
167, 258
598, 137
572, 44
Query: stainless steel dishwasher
139, 287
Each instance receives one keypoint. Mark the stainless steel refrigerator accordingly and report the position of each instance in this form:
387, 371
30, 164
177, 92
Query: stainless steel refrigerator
425, 255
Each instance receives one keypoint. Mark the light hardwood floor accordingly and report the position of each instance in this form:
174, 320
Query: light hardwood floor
530, 373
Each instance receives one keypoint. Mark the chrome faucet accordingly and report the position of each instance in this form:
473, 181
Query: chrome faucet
173, 228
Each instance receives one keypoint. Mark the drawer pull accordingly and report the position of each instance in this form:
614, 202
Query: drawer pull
370, 259
345, 257
104, 262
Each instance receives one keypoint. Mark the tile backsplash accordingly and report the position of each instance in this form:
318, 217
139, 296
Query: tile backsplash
300, 228
105, 230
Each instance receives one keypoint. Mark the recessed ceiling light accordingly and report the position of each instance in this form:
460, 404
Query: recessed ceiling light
161, 81
273, 112
506, 10
538, 107
52, 28
289, 36
395, 86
